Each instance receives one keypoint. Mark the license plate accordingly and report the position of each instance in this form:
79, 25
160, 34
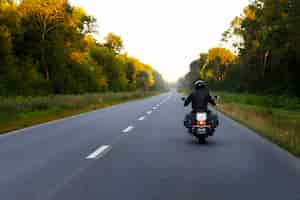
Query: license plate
201, 131
201, 116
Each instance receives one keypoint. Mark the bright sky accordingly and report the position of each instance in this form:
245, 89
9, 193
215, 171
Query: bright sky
167, 34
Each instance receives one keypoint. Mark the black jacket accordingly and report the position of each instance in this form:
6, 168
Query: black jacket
200, 99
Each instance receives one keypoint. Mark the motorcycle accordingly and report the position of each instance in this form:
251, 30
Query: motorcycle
200, 126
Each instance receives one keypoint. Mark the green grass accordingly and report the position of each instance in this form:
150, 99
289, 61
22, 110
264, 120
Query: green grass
276, 118
278, 102
20, 112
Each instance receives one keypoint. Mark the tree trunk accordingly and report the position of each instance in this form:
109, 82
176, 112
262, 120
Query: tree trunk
266, 57
43, 59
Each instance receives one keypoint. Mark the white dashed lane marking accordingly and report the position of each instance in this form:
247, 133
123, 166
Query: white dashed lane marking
142, 118
128, 129
100, 152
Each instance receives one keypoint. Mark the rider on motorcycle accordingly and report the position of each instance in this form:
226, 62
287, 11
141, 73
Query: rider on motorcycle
200, 99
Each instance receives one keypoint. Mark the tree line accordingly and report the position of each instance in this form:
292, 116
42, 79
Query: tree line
266, 40
47, 47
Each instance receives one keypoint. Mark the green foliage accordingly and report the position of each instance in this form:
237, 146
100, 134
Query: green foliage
12, 106
268, 55
47, 47
266, 37
114, 42
142, 78
212, 66
267, 101
159, 83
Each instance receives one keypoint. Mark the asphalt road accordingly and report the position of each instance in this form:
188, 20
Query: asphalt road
136, 152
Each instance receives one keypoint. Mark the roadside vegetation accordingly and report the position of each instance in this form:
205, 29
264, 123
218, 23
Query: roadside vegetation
48, 47
20, 112
274, 117
264, 54
258, 75
51, 65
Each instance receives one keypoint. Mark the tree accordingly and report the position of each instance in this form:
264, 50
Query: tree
159, 83
47, 16
266, 39
114, 42
47, 47
218, 60
142, 80
196, 68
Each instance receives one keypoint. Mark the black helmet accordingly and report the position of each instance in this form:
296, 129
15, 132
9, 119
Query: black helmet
199, 84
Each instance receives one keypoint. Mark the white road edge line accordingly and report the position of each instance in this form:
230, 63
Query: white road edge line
142, 118
100, 152
128, 129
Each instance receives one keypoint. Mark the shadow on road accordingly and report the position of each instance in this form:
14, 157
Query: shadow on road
209, 143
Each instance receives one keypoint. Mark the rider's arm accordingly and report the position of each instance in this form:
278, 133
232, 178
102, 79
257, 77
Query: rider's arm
211, 101
188, 100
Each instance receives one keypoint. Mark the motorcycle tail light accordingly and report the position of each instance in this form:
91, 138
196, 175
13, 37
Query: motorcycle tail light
201, 123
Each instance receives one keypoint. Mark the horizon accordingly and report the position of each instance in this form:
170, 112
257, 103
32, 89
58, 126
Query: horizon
163, 38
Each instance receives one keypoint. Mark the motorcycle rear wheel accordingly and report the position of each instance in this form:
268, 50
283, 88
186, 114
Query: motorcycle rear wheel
202, 140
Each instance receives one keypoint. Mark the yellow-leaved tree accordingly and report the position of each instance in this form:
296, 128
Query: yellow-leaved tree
218, 60
46, 15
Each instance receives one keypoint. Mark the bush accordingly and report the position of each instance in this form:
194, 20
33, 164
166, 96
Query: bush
11, 107
268, 101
